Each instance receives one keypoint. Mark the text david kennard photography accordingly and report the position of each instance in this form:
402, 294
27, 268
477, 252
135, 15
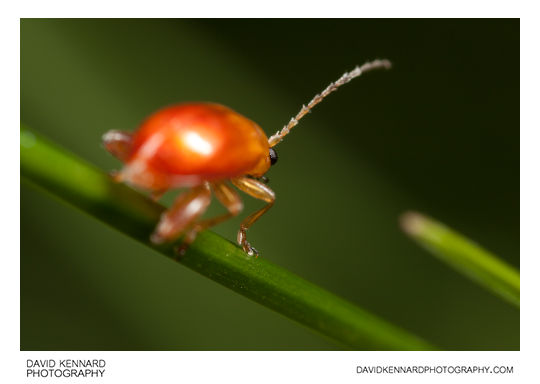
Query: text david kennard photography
65, 368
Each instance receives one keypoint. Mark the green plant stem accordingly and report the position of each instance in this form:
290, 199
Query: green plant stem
464, 255
82, 185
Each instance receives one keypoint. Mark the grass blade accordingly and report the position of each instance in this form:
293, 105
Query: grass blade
464, 255
89, 189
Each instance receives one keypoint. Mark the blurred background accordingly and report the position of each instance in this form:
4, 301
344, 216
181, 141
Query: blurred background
439, 133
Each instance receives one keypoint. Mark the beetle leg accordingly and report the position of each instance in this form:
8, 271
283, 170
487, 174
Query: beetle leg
258, 190
158, 194
187, 208
230, 200
118, 143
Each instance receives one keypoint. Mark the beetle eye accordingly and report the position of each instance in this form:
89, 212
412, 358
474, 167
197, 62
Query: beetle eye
273, 156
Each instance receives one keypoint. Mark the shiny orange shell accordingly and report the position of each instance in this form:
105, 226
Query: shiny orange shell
187, 144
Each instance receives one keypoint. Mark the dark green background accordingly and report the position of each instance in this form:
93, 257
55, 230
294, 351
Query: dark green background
439, 133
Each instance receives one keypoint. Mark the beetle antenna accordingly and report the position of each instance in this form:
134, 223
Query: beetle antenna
347, 76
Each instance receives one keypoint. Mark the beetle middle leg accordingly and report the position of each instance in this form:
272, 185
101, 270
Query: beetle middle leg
258, 190
186, 209
230, 200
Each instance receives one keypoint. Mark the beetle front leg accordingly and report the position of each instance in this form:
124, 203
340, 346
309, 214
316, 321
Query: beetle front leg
187, 208
258, 190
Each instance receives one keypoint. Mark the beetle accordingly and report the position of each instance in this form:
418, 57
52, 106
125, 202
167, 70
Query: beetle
203, 147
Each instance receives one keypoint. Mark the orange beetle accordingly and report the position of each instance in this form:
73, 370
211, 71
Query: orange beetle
202, 146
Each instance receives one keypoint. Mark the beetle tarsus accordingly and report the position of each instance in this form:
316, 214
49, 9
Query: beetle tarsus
155, 238
116, 176
157, 195
180, 251
250, 250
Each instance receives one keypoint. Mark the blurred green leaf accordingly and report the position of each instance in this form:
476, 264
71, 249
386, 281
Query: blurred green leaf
92, 191
461, 253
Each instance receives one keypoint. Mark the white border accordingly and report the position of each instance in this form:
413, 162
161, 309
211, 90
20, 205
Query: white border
288, 367
271, 9
257, 367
